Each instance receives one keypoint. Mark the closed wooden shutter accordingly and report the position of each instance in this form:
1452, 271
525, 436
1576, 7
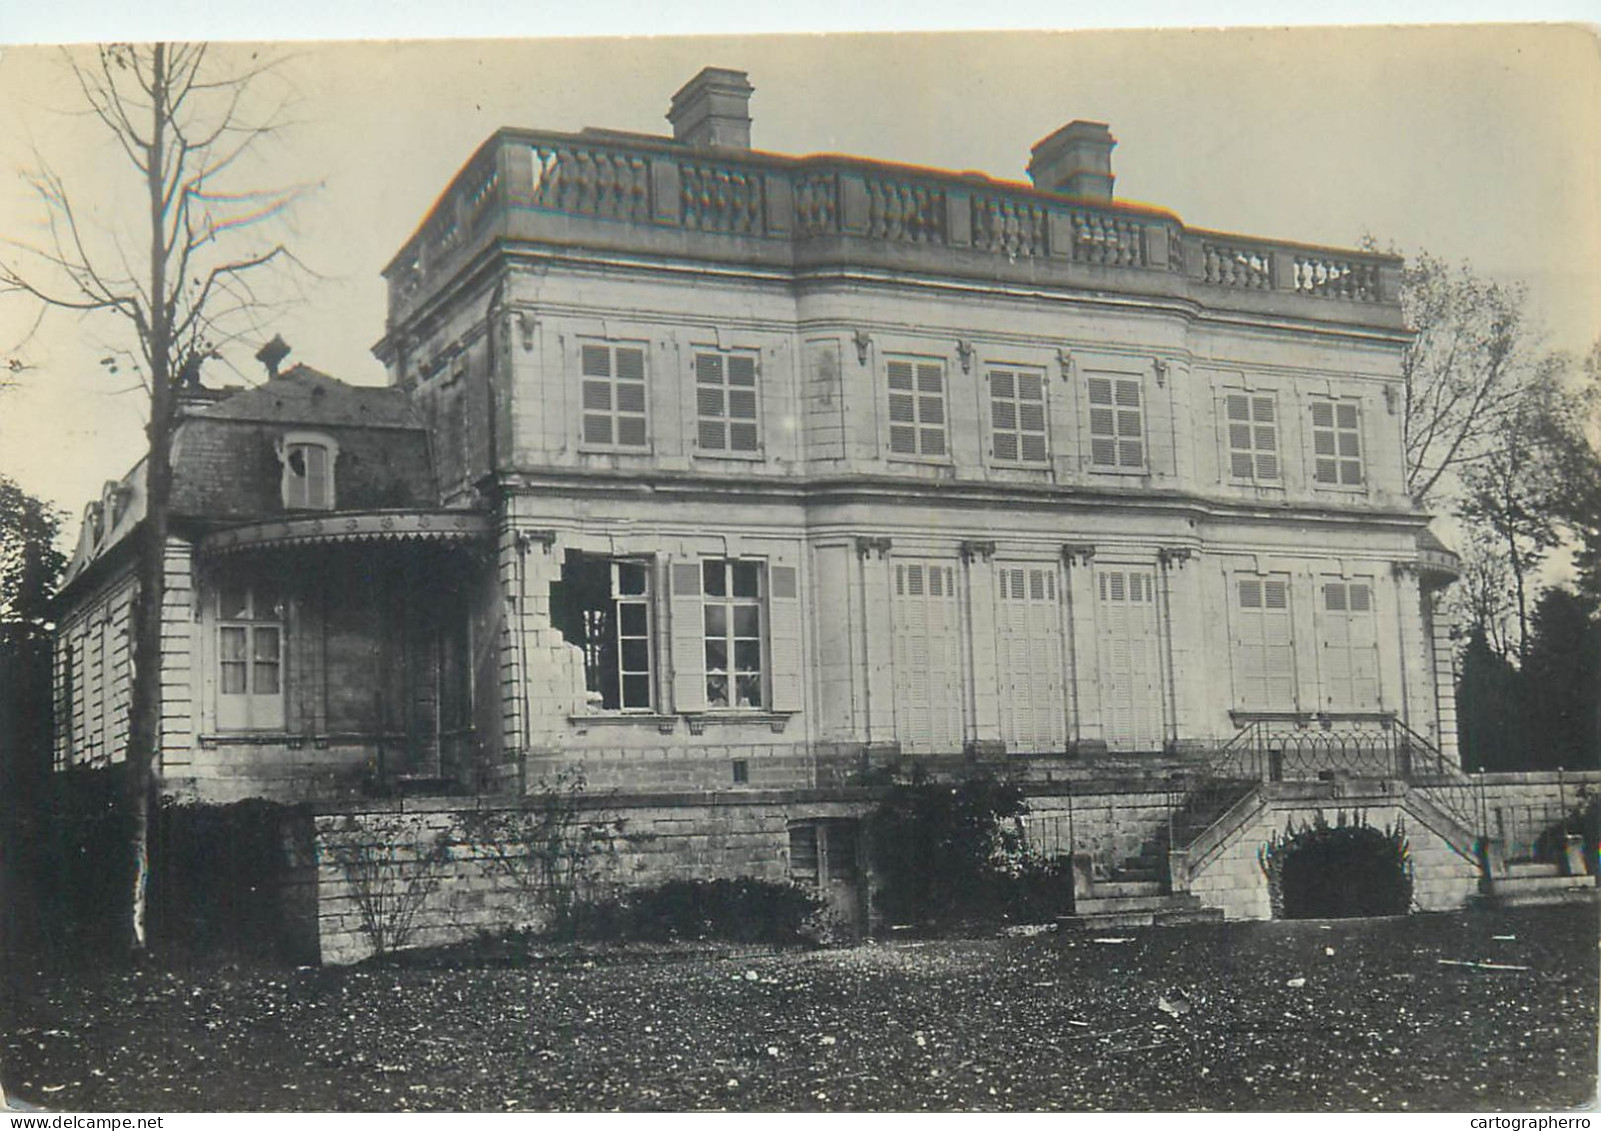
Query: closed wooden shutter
929, 686
1131, 674
1264, 653
686, 628
1029, 651
784, 636
1350, 647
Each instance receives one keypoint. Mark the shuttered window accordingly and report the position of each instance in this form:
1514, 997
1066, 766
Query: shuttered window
1253, 437
1130, 668
916, 407
1017, 415
1264, 651
725, 402
1117, 423
928, 652
1336, 443
1350, 646
614, 395
1029, 648
731, 612
736, 635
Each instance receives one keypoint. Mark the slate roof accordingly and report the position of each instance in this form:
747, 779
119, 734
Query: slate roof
303, 395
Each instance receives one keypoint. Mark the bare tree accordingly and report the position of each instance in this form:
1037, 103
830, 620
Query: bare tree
183, 119
1472, 354
1516, 491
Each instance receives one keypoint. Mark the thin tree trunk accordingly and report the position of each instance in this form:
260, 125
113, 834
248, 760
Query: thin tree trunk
144, 737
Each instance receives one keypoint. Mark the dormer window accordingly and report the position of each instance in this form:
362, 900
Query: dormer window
308, 471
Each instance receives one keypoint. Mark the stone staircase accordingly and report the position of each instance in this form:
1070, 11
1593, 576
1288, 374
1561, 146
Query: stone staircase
1135, 903
1526, 884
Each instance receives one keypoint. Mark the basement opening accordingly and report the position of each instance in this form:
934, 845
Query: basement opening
1343, 871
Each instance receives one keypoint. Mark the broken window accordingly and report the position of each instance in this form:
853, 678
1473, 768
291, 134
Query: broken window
308, 471
603, 606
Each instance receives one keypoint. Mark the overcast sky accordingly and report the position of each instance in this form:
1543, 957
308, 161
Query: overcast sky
1480, 143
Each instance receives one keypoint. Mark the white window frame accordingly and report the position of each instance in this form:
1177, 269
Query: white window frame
1243, 437
614, 412
723, 395
646, 601
1333, 436
915, 405
249, 708
1111, 419
296, 486
1256, 610
734, 675
1006, 398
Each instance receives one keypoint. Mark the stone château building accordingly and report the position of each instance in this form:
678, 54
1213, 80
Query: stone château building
727, 475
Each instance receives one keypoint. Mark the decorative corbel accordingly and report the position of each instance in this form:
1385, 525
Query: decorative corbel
545, 538
865, 546
1174, 555
974, 550
1073, 555
964, 352
1389, 399
1065, 359
862, 339
1161, 365
526, 324
1404, 569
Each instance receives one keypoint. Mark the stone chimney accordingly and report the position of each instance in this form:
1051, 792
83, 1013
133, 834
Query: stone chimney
1075, 160
713, 110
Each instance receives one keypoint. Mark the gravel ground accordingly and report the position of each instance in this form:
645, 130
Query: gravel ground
1335, 1015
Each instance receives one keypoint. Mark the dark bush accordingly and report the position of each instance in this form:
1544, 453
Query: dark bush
1340, 871
949, 853
740, 910
1584, 821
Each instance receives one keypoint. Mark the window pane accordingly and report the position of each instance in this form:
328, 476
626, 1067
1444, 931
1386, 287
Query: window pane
596, 361
1005, 414
748, 655
636, 691
933, 442
631, 578
630, 364
1239, 435
742, 371
714, 578
900, 409
635, 654
747, 620
1001, 384
1348, 444
1238, 408
711, 435
233, 678
266, 679
742, 404
1005, 445
931, 410
716, 655
903, 439
631, 431
930, 379
1030, 386
232, 644
746, 579
1100, 391
900, 375
742, 438
630, 396
1350, 474
1033, 447
717, 620
748, 689
1322, 414
717, 691
1031, 417
631, 619
1345, 414
1263, 408
1128, 424
1101, 421
709, 368
709, 400
597, 395
597, 429
266, 644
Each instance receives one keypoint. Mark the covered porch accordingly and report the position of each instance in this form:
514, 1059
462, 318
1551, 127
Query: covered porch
344, 655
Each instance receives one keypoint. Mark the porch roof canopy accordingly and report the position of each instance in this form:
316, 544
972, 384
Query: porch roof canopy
351, 526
